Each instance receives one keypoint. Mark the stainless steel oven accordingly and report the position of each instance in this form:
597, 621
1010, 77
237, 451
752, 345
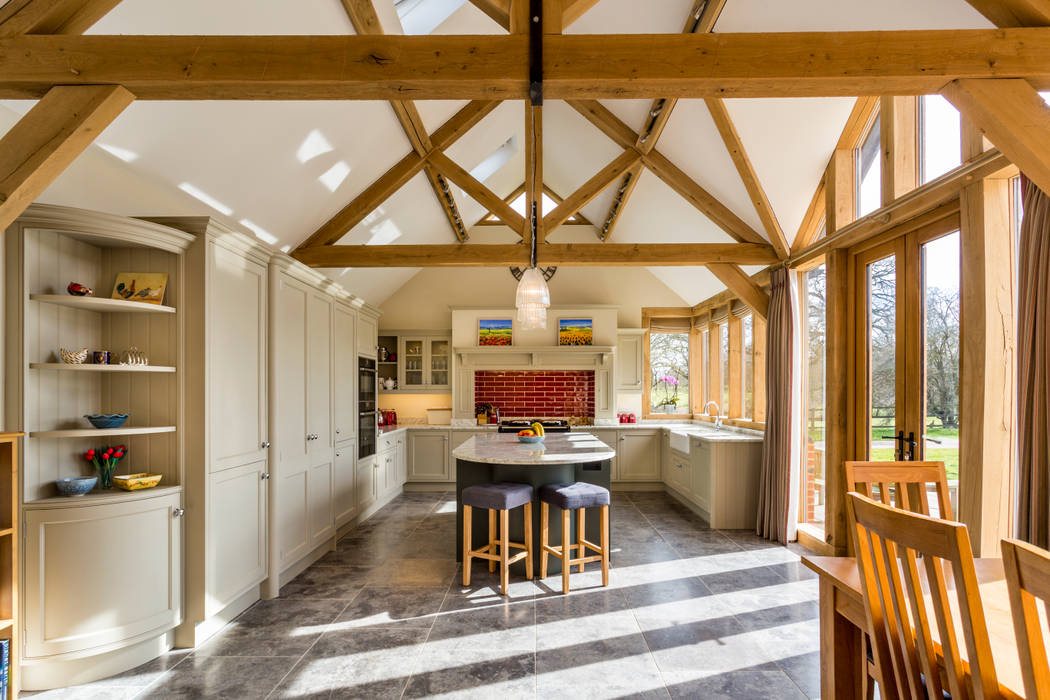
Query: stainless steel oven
367, 385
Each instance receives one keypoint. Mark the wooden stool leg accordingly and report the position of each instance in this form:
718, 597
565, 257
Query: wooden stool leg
528, 541
504, 550
581, 529
492, 539
605, 545
545, 531
468, 516
566, 548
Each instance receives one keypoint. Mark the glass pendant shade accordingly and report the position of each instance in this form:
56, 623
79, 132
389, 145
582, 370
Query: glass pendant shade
532, 300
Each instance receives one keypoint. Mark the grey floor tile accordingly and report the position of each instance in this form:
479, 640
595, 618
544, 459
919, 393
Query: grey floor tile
606, 668
392, 607
420, 573
764, 682
208, 677
453, 672
804, 670
327, 583
274, 628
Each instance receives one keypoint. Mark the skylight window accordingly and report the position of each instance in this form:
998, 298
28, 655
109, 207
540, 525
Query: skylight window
424, 16
500, 157
315, 144
197, 193
334, 176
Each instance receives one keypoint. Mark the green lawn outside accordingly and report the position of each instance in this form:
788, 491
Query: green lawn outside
948, 455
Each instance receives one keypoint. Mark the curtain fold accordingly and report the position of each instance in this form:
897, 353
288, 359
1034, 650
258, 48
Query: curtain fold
671, 324
1033, 368
778, 485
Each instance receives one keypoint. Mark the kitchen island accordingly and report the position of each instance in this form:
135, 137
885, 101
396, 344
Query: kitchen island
489, 458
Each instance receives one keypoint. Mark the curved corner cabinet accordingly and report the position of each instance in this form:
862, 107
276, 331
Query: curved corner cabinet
101, 574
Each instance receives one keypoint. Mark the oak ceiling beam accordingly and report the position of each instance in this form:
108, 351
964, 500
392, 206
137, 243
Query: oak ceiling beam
496, 67
809, 229
497, 10
619, 203
1013, 116
395, 178
52, 16
1014, 13
49, 137
590, 189
671, 174
738, 282
560, 254
574, 9
735, 146
363, 17
477, 189
534, 173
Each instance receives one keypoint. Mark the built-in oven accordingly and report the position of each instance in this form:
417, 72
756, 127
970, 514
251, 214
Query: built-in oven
367, 427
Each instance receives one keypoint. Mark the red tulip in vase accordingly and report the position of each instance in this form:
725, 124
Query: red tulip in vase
105, 460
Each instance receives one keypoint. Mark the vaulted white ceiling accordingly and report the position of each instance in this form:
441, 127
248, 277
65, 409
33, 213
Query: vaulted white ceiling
287, 167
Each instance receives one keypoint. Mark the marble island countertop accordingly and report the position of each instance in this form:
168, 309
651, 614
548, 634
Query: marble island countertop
699, 430
557, 448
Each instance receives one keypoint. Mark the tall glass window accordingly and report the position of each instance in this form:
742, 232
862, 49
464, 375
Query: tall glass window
814, 325
669, 372
940, 137
723, 365
748, 333
869, 171
705, 363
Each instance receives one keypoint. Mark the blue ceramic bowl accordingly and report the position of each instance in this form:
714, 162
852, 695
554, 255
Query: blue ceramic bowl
106, 420
533, 439
77, 486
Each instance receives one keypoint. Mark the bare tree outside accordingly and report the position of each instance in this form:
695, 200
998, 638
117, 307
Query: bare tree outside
669, 367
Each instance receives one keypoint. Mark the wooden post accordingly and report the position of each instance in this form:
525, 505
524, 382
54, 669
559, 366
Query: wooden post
987, 364
838, 190
899, 130
837, 408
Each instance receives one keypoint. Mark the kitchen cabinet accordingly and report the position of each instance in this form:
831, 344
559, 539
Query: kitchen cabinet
726, 478
401, 450
679, 473
629, 359
344, 372
365, 486
700, 455
345, 477
610, 438
423, 364
429, 456
100, 574
638, 455
367, 334
237, 542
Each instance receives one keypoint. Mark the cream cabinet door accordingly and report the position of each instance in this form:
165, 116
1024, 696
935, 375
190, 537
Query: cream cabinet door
401, 457
367, 335
236, 356
609, 438
319, 375
365, 487
98, 575
290, 304
344, 372
629, 361
428, 455
345, 468
701, 456
237, 542
320, 503
638, 455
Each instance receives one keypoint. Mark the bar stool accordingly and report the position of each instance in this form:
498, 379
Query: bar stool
501, 498
569, 497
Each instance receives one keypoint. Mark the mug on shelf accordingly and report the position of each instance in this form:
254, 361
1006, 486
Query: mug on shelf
101, 357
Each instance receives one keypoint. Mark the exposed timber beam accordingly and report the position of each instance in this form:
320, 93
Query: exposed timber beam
572, 10
735, 146
52, 16
796, 64
671, 174
619, 203
561, 254
363, 17
810, 227
392, 180
742, 286
476, 189
49, 137
590, 189
500, 10
1013, 116
1014, 13
497, 10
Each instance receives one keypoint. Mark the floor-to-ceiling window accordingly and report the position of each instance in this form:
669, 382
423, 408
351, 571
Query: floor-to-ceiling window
748, 352
669, 372
814, 327
940, 145
869, 171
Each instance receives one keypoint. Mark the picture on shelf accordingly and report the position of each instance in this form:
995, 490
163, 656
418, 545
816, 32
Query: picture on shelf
147, 287
575, 331
495, 331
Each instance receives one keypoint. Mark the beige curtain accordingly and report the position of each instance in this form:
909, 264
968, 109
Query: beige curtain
1033, 368
778, 486
670, 324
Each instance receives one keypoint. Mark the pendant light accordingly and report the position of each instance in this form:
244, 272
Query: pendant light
533, 296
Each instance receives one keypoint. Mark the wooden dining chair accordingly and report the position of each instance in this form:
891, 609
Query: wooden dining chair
891, 480
892, 546
1027, 580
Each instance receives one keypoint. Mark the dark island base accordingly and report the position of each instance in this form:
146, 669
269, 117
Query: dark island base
474, 473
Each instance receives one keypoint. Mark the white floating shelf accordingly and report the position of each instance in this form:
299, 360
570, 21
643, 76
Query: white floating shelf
100, 304
93, 432
100, 368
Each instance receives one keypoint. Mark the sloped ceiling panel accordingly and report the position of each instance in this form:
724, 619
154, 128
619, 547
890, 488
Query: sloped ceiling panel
847, 15
633, 17
229, 17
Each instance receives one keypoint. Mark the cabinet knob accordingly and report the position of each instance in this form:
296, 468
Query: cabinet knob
312, 436
338, 454
338, 431
265, 476
178, 512
265, 444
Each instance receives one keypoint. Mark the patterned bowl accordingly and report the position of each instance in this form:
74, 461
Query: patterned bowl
135, 482
530, 439
106, 420
73, 357
76, 486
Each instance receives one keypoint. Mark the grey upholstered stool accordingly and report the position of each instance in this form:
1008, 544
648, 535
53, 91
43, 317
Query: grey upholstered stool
501, 498
569, 497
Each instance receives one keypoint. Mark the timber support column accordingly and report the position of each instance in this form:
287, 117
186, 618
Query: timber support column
837, 413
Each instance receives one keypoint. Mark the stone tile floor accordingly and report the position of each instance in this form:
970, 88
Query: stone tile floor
690, 612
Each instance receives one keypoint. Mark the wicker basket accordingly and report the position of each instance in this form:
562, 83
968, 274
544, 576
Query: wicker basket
73, 357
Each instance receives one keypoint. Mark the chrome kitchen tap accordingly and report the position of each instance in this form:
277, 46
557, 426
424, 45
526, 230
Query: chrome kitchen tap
718, 418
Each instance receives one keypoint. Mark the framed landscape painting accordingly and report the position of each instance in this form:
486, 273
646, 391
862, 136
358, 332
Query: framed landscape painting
495, 331
575, 331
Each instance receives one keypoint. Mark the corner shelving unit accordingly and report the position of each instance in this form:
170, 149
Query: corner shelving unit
9, 553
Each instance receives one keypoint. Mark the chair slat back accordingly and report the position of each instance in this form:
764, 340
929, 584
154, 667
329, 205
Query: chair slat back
902, 558
1028, 580
893, 479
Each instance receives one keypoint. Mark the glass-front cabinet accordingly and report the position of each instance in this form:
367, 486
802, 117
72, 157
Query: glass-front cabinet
423, 361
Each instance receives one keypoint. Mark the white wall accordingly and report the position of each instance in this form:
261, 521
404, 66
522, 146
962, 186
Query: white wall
424, 301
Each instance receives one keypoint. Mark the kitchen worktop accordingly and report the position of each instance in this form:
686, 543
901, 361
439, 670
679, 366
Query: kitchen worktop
701, 430
557, 448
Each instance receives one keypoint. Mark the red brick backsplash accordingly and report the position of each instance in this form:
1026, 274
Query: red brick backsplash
537, 393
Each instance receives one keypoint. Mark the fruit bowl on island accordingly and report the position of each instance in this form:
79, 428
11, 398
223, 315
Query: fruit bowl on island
532, 434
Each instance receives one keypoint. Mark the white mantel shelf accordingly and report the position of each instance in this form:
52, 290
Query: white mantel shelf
535, 357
